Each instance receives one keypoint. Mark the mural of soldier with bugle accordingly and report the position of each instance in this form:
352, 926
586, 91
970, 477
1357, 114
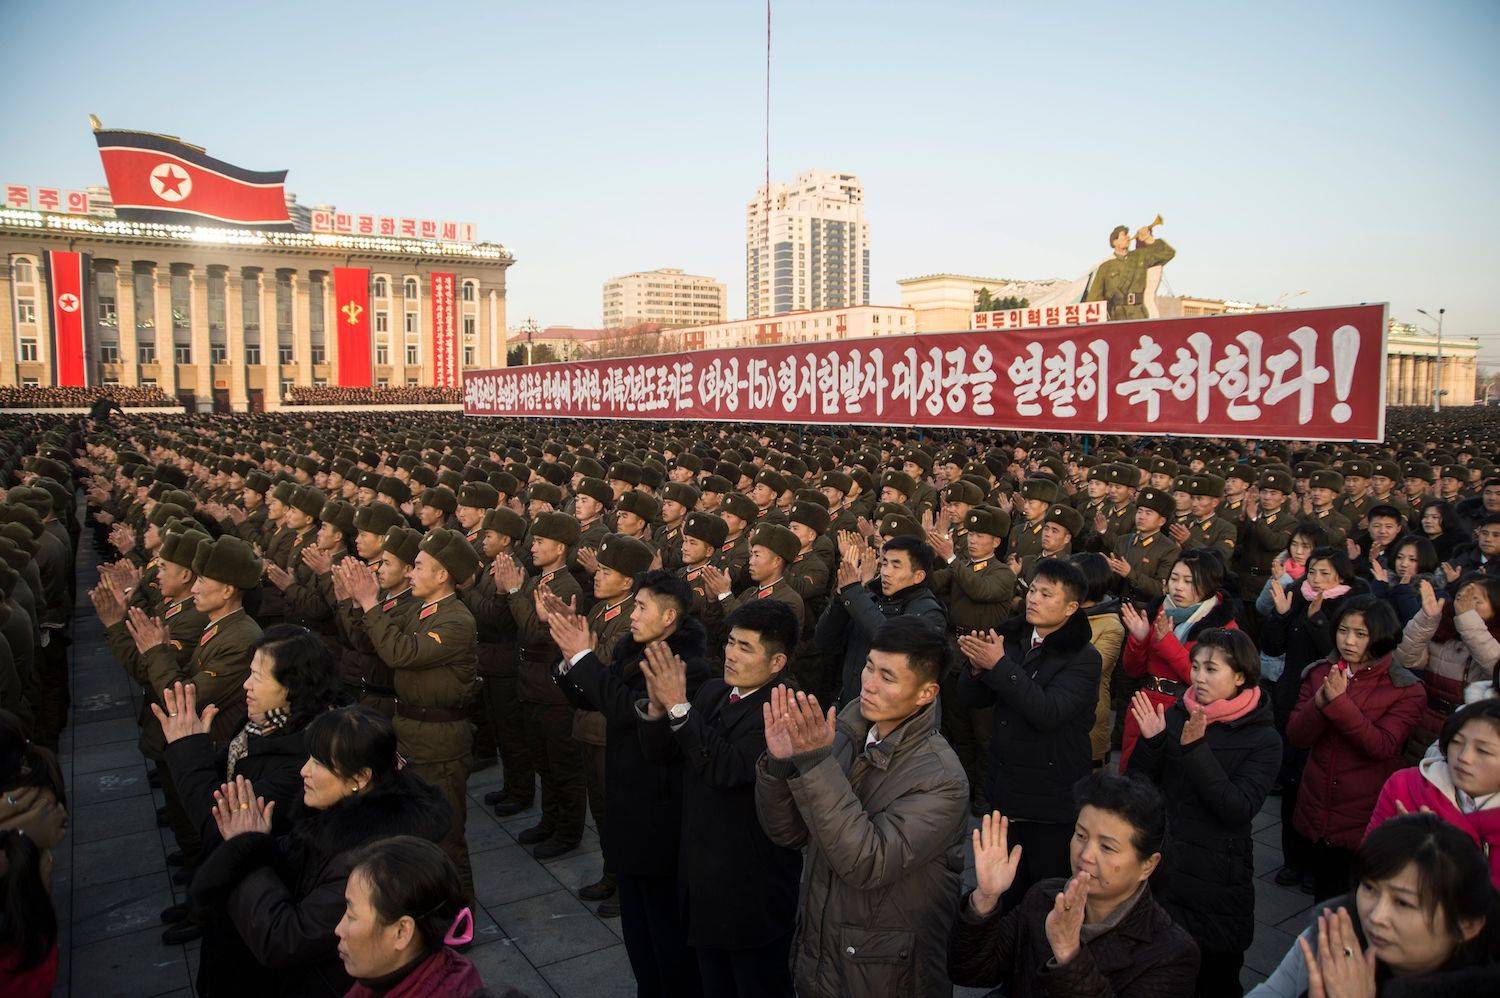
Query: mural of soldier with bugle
1123, 279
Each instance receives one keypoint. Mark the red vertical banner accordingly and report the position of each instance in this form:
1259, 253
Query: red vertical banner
351, 303
66, 278
444, 338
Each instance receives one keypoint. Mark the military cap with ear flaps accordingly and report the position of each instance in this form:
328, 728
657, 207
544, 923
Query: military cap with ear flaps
228, 560
453, 551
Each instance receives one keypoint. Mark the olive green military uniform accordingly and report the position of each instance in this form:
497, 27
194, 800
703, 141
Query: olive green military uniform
1121, 280
1151, 559
1214, 533
433, 657
366, 677
1025, 539
499, 670
1265, 537
809, 576
547, 715
733, 559
609, 622
1336, 525
782, 590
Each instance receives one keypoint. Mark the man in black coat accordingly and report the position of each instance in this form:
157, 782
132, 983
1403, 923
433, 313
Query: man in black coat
643, 800
871, 591
1041, 672
739, 889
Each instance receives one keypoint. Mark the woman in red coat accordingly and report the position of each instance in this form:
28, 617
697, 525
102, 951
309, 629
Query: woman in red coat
1160, 642
1354, 713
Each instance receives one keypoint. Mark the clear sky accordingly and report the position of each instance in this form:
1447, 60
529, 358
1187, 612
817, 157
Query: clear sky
1348, 149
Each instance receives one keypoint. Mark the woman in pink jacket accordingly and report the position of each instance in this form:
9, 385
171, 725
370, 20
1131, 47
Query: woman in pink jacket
1461, 784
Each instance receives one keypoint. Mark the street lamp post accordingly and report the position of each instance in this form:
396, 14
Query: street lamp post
1437, 388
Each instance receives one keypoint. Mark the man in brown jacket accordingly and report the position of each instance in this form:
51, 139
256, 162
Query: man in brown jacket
878, 803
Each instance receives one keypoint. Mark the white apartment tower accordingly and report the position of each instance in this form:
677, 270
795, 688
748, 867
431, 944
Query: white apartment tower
807, 246
666, 297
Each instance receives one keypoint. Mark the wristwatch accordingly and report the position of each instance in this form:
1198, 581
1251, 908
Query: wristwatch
678, 711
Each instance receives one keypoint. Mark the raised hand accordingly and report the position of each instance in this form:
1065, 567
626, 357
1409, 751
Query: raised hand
1150, 717
508, 574
278, 576
941, 543
107, 604
1280, 596
1315, 605
869, 565
1179, 533
810, 729
572, 634
315, 558
360, 581
1338, 967
181, 718
1197, 724
1118, 565
995, 862
1450, 572
148, 632
777, 719
1431, 605
866, 528
237, 811
983, 649
1065, 920
666, 678
1335, 684
588, 559
1135, 622
849, 568
715, 580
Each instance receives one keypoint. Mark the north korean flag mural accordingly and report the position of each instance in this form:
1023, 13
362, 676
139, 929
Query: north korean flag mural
158, 178
68, 299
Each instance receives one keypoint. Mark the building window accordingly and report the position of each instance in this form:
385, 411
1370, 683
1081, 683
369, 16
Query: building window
382, 322
182, 353
26, 311
382, 382
382, 287
109, 353
25, 272
411, 322
145, 353
284, 353
411, 381
104, 296
469, 359
148, 382
181, 300
283, 304
409, 288
109, 380
145, 299
218, 353
470, 326
470, 291
320, 382
252, 353
411, 353
28, 349
286, 387
28, 382
382, 353
317, 353
250, 312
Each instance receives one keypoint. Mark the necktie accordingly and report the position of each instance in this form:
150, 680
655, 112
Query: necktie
734, 698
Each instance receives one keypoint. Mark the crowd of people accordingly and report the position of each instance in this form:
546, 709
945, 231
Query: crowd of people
50, 397
393, 395
799, 678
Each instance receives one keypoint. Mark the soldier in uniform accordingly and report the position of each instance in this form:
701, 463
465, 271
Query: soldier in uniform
1163, 471
433, 655
678, 499
1062, 524
546, 713
767, 489
1323, 487
772, 548
1204, 528
1356, 502
809, 574
1121, 280
1144, 558
277, 550
702, 535
1036, 496
1237, 482
634, 514
621, 559
365, 678
835, 486
979, 589
1385, 481
498, 713
917, 464
1120, 481
733, 557
475, 499
1267, 531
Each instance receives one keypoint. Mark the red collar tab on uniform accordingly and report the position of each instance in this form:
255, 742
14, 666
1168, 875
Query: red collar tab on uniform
173, 611
979, 566
208, 634
427, 611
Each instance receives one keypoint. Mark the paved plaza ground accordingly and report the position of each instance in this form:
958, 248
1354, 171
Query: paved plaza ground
532, 932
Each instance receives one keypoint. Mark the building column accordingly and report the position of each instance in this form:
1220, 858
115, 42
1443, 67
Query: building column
1392, 375
302, 327
494, 332
7, 327
270, 338
331, 328
234, 337
130, 361
1408, 388
165, 357
203, 389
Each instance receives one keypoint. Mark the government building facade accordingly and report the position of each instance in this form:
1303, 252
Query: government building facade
225, 319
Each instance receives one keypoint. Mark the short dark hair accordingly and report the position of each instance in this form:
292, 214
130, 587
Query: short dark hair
1452, 874
666, 585
925, 647
1096, 574
1310, 532
349, 739
1385, 511
1131, 798
302, 663
921, 553
1481, 710
1490, 520
1064, 573
771, 620
1337, 559
1236, 645
1380, 620
412, 877
1206, 568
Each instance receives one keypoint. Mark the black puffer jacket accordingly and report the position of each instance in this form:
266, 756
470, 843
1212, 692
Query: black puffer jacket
856, 611
284, 895
1303, 640
272, 763
1214, 788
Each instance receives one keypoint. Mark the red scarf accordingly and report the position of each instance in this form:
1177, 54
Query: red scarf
1224, 710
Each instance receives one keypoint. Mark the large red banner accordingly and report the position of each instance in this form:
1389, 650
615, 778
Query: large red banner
351, 303
67, 281
444, 333
1314, 374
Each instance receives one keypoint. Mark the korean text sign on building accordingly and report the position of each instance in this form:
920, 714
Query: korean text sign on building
1316, 374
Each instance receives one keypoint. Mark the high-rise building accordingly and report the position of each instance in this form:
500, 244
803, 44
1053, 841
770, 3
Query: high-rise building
666, 297
807, 245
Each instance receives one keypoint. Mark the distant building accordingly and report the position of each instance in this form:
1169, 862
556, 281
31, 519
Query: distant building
563, 342
1411, 360
944, 302
666, 297
794, 327
807, 246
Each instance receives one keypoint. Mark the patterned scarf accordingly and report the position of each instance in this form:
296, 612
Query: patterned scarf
275, 718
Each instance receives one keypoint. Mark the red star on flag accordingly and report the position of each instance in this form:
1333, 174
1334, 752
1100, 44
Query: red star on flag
170, 178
